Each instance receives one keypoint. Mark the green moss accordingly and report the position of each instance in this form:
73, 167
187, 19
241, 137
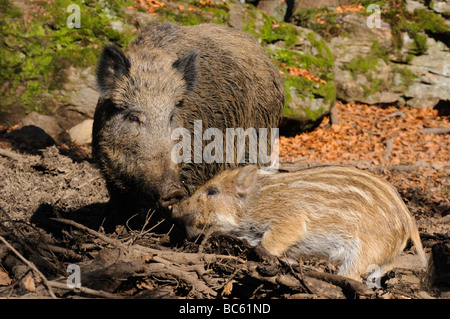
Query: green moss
9, 10
378, 51
283, 32
324, 53
366, 3
308, 89
375, 86
417, 24
362, 64
181, 17
406, 74
430, 21
214, 13
313, 115
35, 52
419, 46
322, 20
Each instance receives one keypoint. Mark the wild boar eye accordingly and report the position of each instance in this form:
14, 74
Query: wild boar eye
211, 191
136, 117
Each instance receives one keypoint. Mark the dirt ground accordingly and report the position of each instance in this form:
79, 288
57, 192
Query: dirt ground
54, 213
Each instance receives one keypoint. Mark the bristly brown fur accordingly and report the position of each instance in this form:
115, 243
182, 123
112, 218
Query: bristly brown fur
167, 78
349, 216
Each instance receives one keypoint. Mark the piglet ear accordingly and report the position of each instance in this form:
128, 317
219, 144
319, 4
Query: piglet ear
187, 65
245, 180
113, 64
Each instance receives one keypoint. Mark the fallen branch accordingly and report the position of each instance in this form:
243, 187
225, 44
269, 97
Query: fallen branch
395, 114
334, 115
435, 130
11, 155
389, 143
30, 265
163, 256
84, 290
60, 250
347, 284
140, 261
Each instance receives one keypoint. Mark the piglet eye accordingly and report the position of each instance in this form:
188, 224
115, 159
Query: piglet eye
133, 118
211, 191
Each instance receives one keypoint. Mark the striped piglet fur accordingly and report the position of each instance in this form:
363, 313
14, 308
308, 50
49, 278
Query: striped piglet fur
346, 215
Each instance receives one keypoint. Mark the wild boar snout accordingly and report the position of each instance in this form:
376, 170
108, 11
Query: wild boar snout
171, 194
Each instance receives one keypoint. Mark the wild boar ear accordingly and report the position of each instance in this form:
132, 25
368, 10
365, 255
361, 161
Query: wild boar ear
113, 64
245, 180
187, 65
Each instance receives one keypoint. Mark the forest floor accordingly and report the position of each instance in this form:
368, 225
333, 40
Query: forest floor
54, 213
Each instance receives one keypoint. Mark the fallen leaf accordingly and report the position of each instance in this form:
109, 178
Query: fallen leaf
29, 284
4, 278
227, 288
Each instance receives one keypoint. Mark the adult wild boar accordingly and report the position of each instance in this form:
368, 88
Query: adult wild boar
167, 78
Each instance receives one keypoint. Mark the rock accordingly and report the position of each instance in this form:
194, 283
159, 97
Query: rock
408, 261
308, 98
362, 70
440, 6
274, 8
82, 133
436, 59
81, 89
237, 16
48, 123
384, 97
412, 5
433, 76
302, 4
425, 103
310, 92
366, 68
85, 100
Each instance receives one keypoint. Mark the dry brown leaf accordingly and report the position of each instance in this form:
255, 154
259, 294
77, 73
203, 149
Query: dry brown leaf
5, 280
29, 284
227, 288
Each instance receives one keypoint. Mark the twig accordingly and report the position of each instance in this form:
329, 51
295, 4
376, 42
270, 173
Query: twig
347, 284
60, 250
162, 256
389, 143
85, 290
11, 155
90, 231
301, 278
31, 265
398, 113
334, 116
435, 130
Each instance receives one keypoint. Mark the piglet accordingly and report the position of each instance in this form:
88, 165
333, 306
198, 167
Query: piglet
346, 215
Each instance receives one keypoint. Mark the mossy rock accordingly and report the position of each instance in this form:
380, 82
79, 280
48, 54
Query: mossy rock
37, 46
307, 101
310, 97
